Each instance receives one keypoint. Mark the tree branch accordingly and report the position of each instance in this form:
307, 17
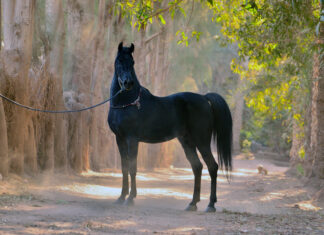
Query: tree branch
160, 11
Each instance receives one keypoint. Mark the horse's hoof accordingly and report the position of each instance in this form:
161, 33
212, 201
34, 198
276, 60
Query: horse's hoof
210, 209
119, 201
191, 208
129, 202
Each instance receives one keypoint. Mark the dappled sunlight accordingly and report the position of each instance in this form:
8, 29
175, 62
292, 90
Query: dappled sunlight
91, 190
166, 175
122, 223
90, 173
272, 196
164, 192
140, 176
37, 230
188, 229
181, 174
181, 177
98, 191
236, 173
174, 174
307, 206
192, 177
145, 177
240, 172
281, 194
105, 227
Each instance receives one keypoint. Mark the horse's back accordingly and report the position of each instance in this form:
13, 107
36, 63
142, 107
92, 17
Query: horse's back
198, 115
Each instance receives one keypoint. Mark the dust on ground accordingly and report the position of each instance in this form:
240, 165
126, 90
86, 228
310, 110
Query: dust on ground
252, 203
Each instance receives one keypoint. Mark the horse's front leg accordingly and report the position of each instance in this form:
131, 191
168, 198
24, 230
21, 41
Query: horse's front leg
132, 157
123, 150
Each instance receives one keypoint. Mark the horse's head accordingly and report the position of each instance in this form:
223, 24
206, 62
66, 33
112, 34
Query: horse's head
124, 67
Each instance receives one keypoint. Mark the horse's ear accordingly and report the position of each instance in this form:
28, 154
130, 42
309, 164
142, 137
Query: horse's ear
120, 46
131, 49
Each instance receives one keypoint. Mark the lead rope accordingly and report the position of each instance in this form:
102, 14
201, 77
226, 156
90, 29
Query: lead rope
58, 111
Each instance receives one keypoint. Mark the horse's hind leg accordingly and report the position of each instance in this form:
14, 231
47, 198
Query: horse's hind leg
212, 169
191, 154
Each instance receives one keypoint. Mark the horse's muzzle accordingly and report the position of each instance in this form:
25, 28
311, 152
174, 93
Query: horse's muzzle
125, 84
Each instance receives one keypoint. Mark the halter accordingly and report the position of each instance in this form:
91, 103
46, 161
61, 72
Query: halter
135, 102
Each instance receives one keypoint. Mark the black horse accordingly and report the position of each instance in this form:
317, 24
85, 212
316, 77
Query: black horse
136, 115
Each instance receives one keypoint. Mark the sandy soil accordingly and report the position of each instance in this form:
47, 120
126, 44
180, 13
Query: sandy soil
252, 203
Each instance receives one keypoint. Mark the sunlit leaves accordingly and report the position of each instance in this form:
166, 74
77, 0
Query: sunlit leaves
278, 39
141, 13
184, 38
161, 19
195, 34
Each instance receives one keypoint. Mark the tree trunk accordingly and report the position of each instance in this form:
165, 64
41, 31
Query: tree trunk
238, 116
3, 126
157, 153
3, 142
0, 26
317, 125
31, 166
99, 139
18, 25
55, 33
80, 39
139, 56
296, 144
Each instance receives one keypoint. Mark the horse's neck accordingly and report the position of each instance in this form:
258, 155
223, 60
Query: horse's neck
125, 97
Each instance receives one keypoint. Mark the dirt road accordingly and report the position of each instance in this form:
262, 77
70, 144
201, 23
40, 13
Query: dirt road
250, 204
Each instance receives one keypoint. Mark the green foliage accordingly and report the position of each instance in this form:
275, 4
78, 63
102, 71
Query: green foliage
263, 129
246, 146
301, 153
184, 38
278, 41
140, 13
300, 169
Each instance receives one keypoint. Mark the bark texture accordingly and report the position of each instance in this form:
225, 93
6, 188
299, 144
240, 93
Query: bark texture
55, 32
238, 116
18, 26
317, 122
3, 142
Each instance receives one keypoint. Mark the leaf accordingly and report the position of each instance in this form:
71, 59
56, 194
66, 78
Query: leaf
182, 11
211, 2
161, 19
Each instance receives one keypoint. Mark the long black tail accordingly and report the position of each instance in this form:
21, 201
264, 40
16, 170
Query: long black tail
222, 130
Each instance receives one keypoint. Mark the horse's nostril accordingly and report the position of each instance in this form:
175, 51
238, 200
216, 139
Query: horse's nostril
131, 83
125, 82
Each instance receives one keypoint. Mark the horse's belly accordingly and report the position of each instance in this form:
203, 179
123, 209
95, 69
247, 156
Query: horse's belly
159, 133
156, 138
